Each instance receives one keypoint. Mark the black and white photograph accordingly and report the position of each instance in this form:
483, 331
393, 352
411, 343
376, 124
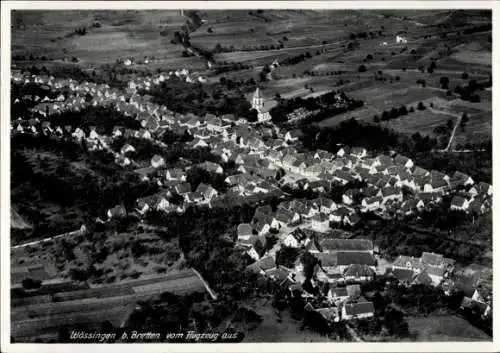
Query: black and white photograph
209, 174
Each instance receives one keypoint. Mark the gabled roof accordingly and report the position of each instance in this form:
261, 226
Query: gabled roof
284, 215
244, 229
339, 291
458, 201
402, 160
346, 244
402, 261
326, 260
183, 188
320, 217
390, 191
359, 308
403, 275
324, 202
349, 258
357, 270
418, 171
431, 259
423, 278
435, 271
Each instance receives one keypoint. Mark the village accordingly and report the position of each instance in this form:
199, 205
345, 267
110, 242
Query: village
271, 160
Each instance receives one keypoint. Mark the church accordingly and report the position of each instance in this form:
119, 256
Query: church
258, 105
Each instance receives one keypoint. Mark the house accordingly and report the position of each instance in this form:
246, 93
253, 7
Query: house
143, 133
351, 219
411, 205
358, 272
182, 188
284, 217
477, 207
346, 258
408, 263
432, 259
262, 223
175, 174
359, 310
337, 294
330, 314
293, 135
459, 203
211, 167
461, 179
328, 263
323, 155
341, 176
391, 194
436, 274
356, 245
78, 134
93, 135
116, 212
127, 148
157, 161
339, 214
401, 40
350, 196
359, 152
343, 151
153, 202
320, 222
371, 203
403, 161
485, 188
244, 231
325, 204
403, 275
207, 192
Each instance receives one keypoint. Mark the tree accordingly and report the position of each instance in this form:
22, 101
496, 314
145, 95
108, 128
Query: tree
420, 106
465, 76
287, 256
369, 57
444, 82
449, 123
209, 30
376, 119
362, 68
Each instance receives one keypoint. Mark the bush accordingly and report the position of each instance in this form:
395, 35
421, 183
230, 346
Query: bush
30, 283
362, 68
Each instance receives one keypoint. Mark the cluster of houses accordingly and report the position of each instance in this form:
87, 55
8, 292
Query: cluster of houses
268, 158
430, 268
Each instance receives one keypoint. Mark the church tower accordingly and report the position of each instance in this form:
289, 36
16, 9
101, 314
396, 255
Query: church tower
257, 101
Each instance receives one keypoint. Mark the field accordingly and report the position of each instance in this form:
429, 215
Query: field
445, 328
119, 35
90, 307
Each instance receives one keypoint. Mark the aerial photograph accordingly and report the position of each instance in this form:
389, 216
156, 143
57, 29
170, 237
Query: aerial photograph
251, 176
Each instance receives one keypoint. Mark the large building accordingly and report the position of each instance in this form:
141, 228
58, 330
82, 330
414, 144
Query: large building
258, 105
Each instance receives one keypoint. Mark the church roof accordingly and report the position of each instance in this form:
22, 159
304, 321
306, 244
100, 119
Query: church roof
257, 93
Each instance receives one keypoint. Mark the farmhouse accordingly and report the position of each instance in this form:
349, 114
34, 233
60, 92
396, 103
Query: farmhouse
459, 203
357, 311
320, 222
356, 272
356, 245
